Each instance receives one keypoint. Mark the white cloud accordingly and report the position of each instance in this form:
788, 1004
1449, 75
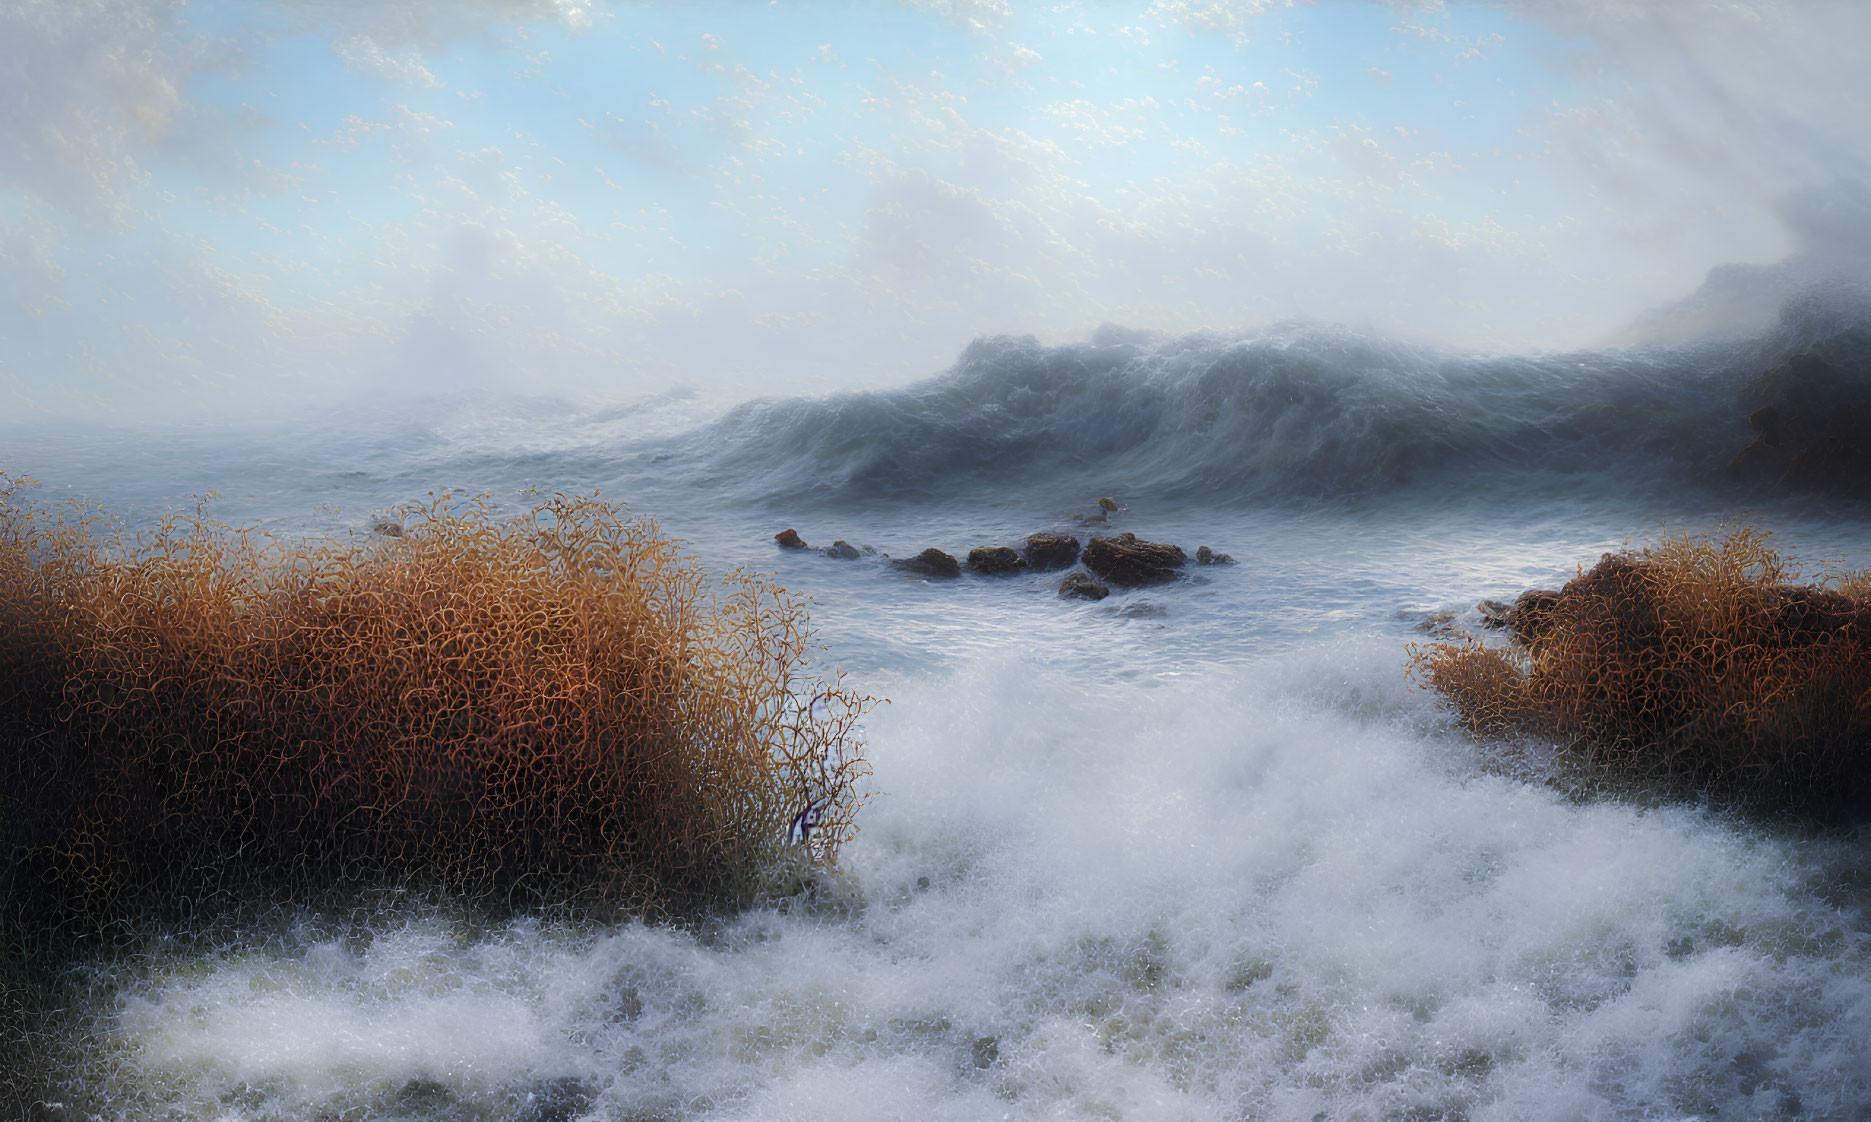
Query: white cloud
427, 24
983, 17
86, 87
362, 53
1232, 18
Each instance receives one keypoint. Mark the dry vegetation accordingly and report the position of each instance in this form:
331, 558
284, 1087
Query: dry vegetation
552, 707
1697, 663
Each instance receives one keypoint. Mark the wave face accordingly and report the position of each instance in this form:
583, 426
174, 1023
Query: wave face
1301, 411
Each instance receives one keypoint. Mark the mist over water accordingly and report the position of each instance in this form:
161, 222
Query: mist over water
1195, 851
1404, 306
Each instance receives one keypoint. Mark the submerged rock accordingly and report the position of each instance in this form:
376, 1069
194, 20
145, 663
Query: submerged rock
843, 550
1207, 556
1432, 623
557, 1100
1052, 551
990, 559
789, 539
931, 563
1127, 561
1083, 587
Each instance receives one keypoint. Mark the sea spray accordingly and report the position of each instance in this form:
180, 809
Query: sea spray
1241, 892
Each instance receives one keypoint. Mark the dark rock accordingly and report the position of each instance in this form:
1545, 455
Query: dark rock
1127, 561
789, 539
1083, 586
1812, 426
389, 528
1052, 551
843, 550
1435, 623
1494, 612
1526, 619
931, 563
1207, 556
995, 559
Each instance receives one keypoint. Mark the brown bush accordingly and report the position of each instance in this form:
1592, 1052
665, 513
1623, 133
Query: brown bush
1696, 662
552, 706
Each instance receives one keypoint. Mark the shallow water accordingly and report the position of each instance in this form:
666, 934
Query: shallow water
1198, 851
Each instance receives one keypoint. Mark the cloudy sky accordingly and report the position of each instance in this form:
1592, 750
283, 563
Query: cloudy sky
248, 204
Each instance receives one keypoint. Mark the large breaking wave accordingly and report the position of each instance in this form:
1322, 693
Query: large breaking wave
1301, 411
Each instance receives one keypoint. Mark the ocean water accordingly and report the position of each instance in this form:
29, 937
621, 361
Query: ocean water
1195, 851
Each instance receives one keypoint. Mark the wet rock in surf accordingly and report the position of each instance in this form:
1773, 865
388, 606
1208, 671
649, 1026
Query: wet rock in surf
992, 559
1207, 556
1525, 619
389, 528
842, 550
1440, 624
1052, 551
931, 563
1126, 560
789, 539
1106, 508
1081, 586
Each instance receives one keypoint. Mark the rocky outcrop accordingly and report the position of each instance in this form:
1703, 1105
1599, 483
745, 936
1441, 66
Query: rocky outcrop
1207, 556
1811, 425
789, 539
931, 563
1052, 551
1081, 586
990, 560
842, 550
1125, 560
388, 527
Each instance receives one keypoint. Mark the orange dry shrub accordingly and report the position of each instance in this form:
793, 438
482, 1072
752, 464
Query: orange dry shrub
1695, 662
556, 706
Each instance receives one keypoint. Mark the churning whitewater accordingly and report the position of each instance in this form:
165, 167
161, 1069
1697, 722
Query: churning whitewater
1194, 851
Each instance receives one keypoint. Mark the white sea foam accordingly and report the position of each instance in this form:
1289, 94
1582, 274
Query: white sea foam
1253, 891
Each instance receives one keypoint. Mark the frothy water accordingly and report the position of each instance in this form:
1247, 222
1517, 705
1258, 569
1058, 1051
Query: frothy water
1272, 891
1194, 852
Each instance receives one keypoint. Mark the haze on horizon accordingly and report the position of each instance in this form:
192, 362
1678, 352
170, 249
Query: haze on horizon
216, 206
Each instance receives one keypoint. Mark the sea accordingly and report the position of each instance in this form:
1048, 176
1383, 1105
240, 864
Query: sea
1202, 850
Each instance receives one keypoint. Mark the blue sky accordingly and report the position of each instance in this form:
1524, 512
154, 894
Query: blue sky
216, 205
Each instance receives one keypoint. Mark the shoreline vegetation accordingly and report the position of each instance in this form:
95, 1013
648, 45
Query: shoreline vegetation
551, 709
1700, 665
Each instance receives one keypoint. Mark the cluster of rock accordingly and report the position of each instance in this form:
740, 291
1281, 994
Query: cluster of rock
1123, 560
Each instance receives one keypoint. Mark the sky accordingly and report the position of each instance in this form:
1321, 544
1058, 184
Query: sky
227, 207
